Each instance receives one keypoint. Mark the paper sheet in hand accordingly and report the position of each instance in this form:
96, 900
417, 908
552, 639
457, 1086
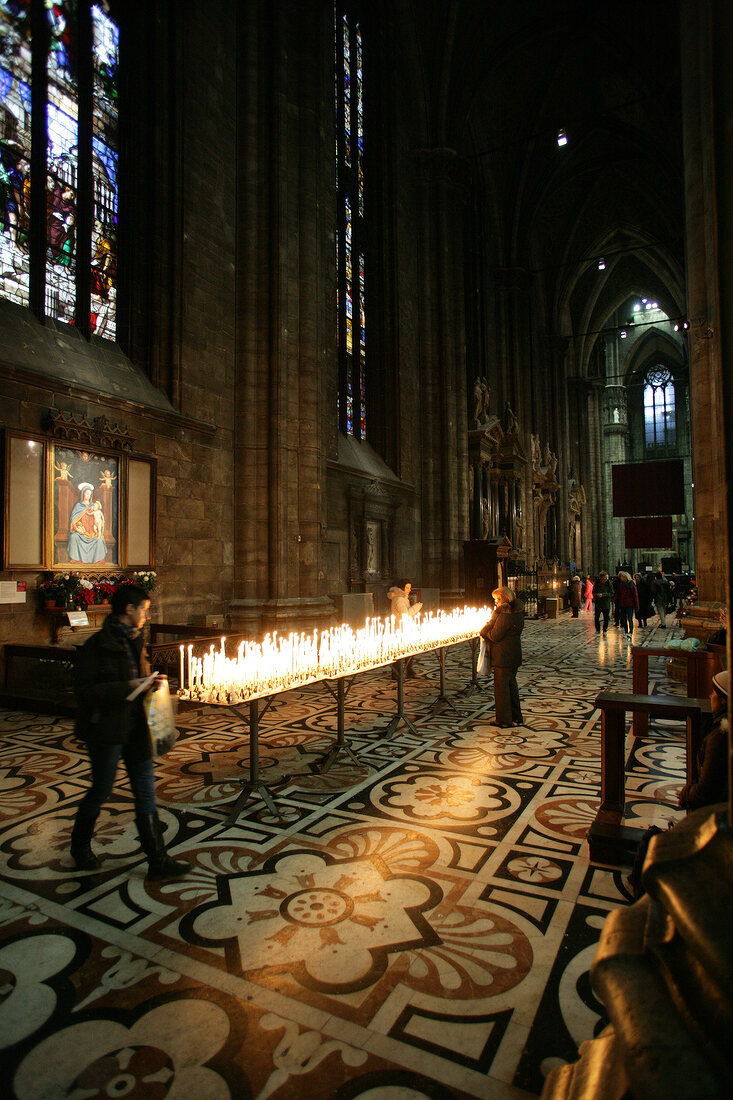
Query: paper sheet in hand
141, 687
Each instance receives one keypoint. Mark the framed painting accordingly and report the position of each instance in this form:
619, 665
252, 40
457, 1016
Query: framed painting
85, 513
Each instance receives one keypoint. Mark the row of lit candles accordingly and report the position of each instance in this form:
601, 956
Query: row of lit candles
280, 663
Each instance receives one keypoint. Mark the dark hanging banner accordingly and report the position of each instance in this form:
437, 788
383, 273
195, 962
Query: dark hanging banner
649, 489
654, 533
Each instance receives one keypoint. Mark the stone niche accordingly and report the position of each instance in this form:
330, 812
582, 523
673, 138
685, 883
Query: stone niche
372, 509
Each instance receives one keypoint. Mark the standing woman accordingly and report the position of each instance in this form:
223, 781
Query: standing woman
574, 597
502, 634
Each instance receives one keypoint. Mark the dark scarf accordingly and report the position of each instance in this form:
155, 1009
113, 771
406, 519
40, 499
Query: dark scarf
127, 635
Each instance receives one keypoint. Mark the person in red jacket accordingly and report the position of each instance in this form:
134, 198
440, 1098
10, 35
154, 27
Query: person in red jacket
627, 601
588, 595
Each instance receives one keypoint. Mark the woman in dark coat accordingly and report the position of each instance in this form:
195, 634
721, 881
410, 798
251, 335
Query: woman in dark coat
646, 608
502, 634
627, 601
574, 597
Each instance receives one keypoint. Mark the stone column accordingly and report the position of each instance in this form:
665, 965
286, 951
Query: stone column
442, 179
283, 325
615, 442
707, 89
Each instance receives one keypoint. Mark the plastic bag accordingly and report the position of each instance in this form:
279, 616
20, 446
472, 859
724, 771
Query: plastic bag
158, 707
483, 668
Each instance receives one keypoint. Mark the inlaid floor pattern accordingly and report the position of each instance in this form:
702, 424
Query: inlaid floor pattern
419, 925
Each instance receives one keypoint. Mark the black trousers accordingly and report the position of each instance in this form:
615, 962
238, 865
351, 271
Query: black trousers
506, 697
601, 611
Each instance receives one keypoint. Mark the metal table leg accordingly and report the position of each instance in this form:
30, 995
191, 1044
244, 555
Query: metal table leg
341, 745
442, 702
401, 667
253, 785
475, 685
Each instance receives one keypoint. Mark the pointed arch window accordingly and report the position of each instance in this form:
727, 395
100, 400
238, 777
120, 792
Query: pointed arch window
58, 160
660, 426
350, 277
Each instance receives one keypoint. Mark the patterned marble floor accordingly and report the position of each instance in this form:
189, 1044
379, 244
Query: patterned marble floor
419, 925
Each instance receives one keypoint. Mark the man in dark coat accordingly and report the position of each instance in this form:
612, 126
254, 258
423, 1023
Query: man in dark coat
660, 596
502, 634
109, 668
602, 596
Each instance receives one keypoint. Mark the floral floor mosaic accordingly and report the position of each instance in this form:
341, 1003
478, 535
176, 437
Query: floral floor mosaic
419, 924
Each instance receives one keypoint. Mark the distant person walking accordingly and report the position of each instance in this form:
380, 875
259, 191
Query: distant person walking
588, 594
660, 596
602, 596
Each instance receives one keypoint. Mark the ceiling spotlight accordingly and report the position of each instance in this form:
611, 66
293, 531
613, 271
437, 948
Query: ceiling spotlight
655, 305
648, 305
601, 264
623, 333
677, 328
643, 301
685, 324
562, 137
637, 307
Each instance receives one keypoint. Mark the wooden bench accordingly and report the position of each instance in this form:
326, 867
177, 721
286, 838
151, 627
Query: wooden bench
702, 665
608, 840
43, 700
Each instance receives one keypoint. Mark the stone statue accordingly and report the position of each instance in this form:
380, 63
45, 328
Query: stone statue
536, 453
481, 400
511, 424
485, 518
550, 459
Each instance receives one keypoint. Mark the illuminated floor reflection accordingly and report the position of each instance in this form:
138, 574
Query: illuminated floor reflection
421, 920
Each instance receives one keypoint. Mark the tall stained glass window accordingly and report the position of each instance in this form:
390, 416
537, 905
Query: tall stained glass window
660, 427
15, 150
350, 226
58, 63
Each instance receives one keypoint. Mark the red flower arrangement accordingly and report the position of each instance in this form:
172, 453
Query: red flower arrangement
105, 590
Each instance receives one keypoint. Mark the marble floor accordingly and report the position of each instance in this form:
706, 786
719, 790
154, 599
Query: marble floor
419, 924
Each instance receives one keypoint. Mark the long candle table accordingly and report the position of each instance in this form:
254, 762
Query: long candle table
249, 711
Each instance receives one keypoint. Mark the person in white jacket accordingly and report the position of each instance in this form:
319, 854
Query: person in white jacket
399, 595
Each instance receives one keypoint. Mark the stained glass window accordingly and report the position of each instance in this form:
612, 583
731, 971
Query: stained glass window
62, 167
15, 150
350, 263
104, 174
59, 58
660, 428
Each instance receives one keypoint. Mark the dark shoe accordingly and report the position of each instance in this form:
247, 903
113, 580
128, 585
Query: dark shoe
81, 843
84, 858
502, 725
160, 864
166, 868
